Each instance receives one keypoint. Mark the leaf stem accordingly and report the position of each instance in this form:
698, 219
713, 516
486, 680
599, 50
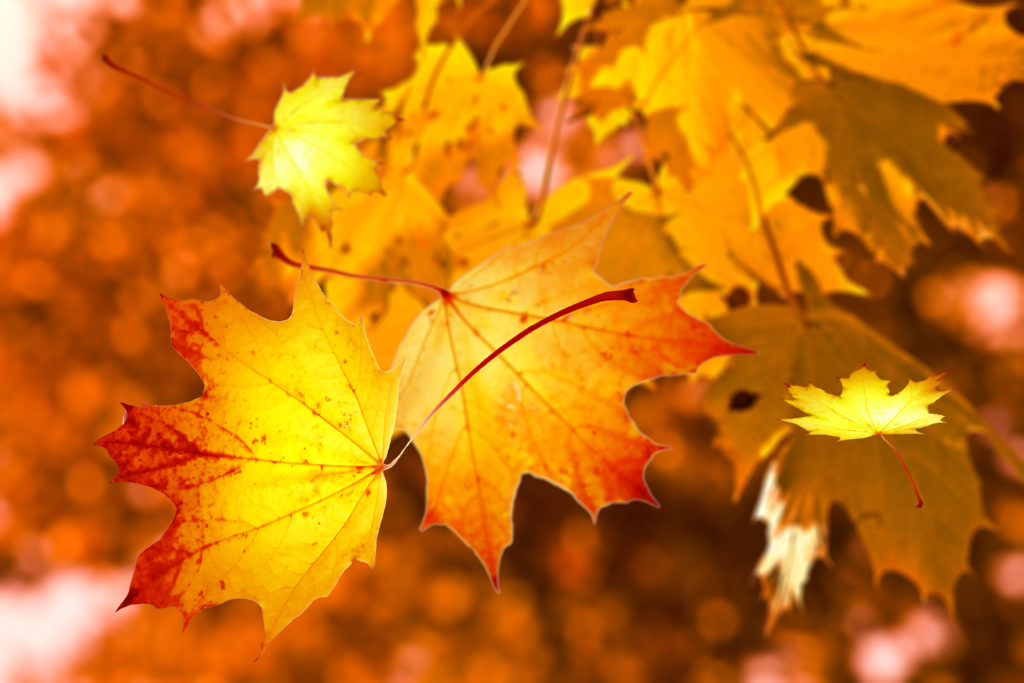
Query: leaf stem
435, 76
278, 253
178, 96
905, 469
435, 73
560, 113
649, 168
801, 44
499, 38
766, 226
612, 295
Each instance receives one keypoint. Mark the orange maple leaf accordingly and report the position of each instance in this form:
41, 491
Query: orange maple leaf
276, 470
553, 405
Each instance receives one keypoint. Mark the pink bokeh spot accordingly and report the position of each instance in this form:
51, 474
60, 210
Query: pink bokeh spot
894, 654
46, 627
981, 304
1006, 575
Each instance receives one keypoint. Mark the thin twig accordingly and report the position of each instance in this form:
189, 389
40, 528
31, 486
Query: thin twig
278, 253
499, 38
560, 112
178, 96
765, 224
435, 74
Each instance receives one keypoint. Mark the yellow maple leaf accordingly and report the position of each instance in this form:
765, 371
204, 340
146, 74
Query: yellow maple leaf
276, 470
313, 141
946, 49
455, 116
865, 408
716, 219
712, 69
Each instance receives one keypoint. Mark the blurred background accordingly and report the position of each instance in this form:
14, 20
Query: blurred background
112, 194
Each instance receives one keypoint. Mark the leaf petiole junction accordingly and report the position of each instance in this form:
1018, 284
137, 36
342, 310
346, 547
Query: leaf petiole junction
628, 295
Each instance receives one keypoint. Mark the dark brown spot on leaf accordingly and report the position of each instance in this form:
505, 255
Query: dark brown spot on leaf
742, 400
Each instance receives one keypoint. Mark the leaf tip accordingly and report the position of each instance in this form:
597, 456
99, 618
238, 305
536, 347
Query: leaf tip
129, 599
737, 350
429, 520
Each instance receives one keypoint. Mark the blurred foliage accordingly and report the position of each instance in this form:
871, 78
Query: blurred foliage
150, 197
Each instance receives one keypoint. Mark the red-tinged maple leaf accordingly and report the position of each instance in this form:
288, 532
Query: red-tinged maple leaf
551, 406
276, 470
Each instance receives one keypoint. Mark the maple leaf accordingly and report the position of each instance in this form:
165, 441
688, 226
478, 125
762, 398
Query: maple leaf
454, 114
949, 50
865, 408
621, 28
930, 546
553, 405
717, 219
707, 65
276, 470
477, 231
313, 142
884, 154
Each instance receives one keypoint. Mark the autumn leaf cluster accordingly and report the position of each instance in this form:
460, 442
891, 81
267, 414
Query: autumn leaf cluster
747, 138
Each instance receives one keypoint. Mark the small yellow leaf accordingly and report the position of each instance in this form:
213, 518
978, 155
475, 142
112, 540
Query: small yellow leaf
865, 407
313, 141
